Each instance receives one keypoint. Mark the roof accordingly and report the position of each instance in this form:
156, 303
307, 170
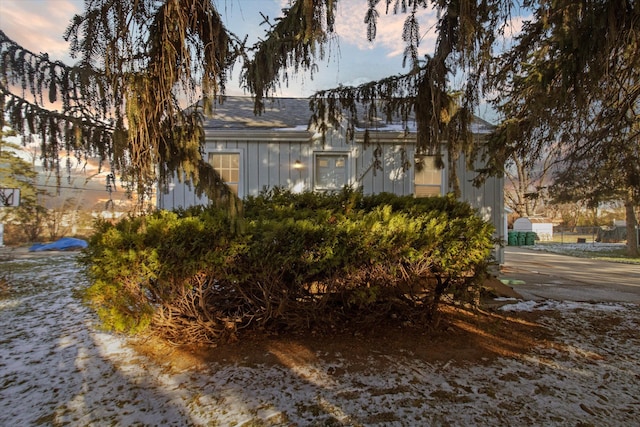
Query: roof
281, 114
236, 112
538, 220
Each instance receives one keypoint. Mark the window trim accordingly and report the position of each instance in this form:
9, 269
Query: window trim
348, 172
241, 167
415, 185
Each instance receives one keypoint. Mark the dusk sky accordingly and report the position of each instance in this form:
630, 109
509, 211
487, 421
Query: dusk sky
39, 24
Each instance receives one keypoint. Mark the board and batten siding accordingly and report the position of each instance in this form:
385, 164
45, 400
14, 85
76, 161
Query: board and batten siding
488, 199
389, 177
264, 163
268, 160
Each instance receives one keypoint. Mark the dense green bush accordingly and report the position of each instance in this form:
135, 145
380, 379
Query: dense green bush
301, 262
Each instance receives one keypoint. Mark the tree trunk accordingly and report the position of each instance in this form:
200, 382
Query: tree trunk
632, 223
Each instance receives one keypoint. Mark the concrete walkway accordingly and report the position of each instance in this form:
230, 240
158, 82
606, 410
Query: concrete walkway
540, 275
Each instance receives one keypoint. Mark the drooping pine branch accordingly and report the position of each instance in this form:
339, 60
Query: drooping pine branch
296, 40
140, 65
32, 86
467, 31
571, 77
414, 100
159, 58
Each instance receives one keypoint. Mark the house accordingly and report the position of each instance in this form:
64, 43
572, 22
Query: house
543, 227
253, 153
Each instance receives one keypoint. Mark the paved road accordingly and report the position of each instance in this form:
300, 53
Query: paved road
560, 277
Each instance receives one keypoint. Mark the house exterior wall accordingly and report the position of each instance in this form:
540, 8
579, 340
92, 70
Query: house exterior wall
287, 159
488, 199
268, 163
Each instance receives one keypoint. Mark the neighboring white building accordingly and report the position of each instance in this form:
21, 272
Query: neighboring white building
541, 226
276, 149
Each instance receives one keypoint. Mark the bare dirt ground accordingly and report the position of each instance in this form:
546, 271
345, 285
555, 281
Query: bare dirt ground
559, 364
463, 336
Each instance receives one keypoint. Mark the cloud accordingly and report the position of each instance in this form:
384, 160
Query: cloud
514, 26
39, 26
352, 29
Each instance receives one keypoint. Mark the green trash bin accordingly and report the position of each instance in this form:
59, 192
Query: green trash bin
512, 238
522, 238
530, 238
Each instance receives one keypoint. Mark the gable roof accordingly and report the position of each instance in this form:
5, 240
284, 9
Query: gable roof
282, 114
236, 113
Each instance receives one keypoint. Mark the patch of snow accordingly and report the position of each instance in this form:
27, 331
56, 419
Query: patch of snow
562, 305
573, 247
57, 368
289, 129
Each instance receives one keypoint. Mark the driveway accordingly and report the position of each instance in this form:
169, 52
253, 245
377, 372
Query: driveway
538, 275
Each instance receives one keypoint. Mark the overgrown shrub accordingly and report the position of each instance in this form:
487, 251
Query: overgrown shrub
301, 262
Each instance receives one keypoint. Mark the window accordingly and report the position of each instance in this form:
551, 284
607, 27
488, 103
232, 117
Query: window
330, 171
228, 166
428, 178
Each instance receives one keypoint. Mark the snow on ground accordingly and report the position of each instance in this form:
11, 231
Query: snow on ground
56, 368
518, 305
562, 248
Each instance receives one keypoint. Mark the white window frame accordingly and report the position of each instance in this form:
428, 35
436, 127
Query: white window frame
348, 169
241, 167
416, 185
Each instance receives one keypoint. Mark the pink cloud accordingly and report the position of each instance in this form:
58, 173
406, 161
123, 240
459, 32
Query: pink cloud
352, 29
514, 26
39, 25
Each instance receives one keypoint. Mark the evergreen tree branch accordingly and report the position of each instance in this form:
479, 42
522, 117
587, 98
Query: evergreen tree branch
296, 40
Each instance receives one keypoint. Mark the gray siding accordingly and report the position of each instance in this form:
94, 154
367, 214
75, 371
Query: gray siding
270, 144
179, 195
488, 199
269, 162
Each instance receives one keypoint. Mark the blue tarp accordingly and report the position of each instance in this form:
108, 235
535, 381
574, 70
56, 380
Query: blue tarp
64, 244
